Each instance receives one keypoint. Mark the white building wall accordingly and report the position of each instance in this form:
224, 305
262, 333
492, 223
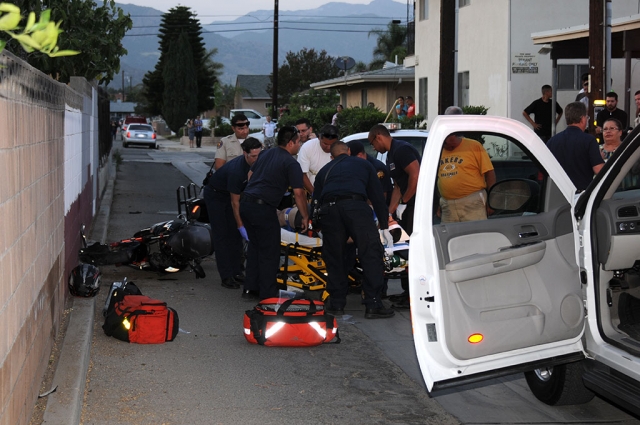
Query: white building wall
490, 34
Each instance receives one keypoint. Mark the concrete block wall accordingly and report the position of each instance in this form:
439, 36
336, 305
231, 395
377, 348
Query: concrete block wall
39, 126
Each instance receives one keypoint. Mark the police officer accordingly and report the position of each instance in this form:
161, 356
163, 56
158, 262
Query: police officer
403, 161
231, 146
344, 185
222, 196
272, 174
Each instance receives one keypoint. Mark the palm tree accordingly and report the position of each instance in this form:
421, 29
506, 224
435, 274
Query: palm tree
391, 42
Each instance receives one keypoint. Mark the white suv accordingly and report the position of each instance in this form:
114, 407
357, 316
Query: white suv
549, 285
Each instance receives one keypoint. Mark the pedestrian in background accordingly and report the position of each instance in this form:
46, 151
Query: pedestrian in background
197, 123
334, 120
541, 109
269, 132
343, 187
191, 132
272, 174
401, 108
114, 129
636, 122
411, 107
611, 110
222, 196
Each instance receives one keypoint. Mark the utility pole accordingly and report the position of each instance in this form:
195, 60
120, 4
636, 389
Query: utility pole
274, 85
447, 54
123, 86
596, 54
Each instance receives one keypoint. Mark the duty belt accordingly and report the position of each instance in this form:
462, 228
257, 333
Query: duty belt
251, 199
334, 199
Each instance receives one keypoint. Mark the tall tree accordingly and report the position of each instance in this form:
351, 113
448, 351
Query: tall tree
180, 101
180, 19
300, 70
391, 43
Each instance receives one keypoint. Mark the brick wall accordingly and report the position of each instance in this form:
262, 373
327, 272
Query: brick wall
46, 157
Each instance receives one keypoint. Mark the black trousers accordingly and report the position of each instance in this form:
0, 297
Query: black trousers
198, 138
352, 218
407, 225
226, 237
263, 256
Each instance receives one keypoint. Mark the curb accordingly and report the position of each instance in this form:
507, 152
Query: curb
65, 405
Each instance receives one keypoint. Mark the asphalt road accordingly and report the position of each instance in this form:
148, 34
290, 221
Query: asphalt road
211, 375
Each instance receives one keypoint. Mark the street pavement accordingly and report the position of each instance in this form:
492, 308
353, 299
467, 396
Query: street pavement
211, 375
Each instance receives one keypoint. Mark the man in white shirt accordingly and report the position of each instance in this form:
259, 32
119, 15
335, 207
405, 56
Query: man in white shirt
269, 131
315, 154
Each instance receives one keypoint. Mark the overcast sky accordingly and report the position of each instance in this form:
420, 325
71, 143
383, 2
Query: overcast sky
229, 10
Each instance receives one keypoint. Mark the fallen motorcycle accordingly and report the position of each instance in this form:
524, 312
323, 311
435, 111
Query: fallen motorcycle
169, 246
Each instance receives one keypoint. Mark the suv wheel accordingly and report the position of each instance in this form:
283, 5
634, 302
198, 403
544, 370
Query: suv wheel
559, 385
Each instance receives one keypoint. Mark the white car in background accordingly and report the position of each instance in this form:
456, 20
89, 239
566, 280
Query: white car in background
549, 285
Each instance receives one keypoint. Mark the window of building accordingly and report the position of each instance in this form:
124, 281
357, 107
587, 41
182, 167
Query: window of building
424, 10
463, 89
464, 3
363, 98
423, 89
569, 76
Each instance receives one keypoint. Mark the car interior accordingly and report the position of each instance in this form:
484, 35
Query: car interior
617, 248
512, 279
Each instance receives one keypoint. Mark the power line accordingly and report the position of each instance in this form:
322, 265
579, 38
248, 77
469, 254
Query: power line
249, 23
265, 28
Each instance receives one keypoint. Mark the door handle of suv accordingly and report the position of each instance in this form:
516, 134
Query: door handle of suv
528, 234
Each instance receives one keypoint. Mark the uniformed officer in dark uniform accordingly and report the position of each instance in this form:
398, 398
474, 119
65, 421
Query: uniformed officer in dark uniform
344, 185
356, 148
273, 173
222, 196
403, 161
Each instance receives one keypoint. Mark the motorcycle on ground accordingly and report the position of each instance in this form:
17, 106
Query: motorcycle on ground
169, 246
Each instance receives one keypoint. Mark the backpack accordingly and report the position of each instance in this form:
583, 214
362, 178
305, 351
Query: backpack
142, 320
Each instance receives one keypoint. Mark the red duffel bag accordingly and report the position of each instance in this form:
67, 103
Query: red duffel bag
299, 322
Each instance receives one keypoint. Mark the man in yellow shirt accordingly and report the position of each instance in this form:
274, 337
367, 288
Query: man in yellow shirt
464, 177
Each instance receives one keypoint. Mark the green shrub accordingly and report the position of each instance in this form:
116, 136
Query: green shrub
223, 130
475, 110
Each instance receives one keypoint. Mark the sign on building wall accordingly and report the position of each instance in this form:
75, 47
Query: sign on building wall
524, 63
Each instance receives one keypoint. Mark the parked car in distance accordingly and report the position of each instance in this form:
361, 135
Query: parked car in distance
256, 119
139, 134
133, 120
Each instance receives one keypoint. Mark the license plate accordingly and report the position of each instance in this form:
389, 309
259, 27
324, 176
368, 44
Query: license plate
141, 135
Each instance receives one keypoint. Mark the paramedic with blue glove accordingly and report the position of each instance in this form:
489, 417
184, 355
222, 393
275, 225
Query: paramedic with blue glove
222, 196
343, 187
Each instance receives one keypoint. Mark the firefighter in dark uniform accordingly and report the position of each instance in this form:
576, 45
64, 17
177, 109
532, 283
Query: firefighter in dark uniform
343, 187
273, 173
222, 196
403, 161
356, 148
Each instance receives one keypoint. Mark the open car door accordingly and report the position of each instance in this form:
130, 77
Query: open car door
502, 295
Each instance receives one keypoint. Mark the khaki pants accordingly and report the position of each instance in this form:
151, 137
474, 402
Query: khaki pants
469, 208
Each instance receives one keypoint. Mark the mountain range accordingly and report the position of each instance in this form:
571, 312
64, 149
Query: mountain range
245, 45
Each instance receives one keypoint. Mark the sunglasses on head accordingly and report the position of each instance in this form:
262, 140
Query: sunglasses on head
241, 124
329, 136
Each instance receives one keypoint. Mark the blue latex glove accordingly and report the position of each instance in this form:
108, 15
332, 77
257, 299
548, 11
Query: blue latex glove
243, 232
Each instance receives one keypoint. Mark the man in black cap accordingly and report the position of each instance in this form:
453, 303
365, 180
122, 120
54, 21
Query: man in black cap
342, 188
272, 174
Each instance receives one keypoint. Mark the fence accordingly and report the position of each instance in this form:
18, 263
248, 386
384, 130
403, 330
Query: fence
51, 158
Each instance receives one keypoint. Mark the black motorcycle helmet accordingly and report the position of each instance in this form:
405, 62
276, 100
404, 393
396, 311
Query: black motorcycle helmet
84, 281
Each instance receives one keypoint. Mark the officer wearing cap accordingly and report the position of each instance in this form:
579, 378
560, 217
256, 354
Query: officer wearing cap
315, 154
357, 149
222, 196
272, 174
342, 188
231, 146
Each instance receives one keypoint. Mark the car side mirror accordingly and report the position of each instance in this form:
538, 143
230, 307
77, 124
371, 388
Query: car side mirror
514, 196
